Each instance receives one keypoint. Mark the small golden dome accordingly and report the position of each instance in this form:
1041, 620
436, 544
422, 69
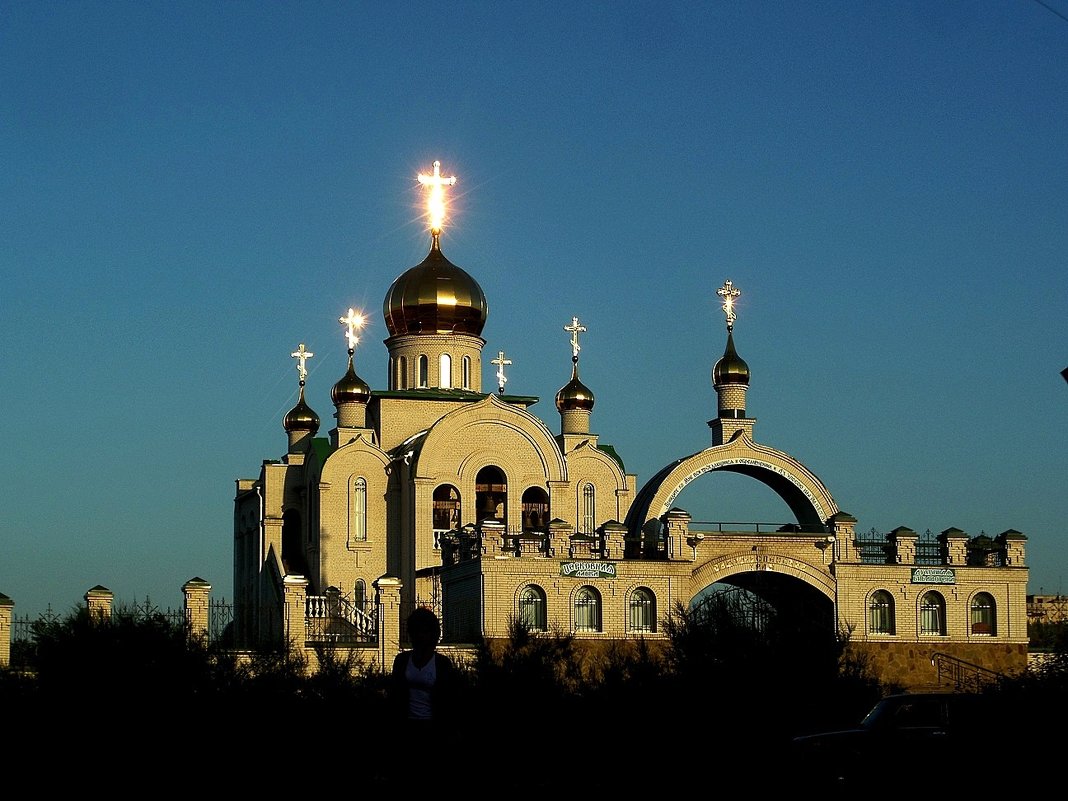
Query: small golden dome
574, 394
350, 388
301, 417
731, 368
435, 297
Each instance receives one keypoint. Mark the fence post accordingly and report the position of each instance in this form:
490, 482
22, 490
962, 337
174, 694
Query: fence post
98, 602
6, 607
295, 589
197, 592
389, 620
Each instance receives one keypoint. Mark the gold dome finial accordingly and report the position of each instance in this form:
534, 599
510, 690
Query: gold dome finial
728, 293
436, 198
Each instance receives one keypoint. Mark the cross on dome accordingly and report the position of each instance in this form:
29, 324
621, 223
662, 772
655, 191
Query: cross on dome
728, 293
302, 356
575, 329
436, 198
353, 321
500, 361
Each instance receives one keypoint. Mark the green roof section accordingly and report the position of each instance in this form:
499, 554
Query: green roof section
322, 448
611, 451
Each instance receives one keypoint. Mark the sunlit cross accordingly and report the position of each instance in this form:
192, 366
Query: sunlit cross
302, 356
728, 293
575, 329
352, 322
436, 199
500, 361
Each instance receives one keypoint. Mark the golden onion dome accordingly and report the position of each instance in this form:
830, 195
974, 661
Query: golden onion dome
301, 417
350, 388
574, 394
435, 297
731, 368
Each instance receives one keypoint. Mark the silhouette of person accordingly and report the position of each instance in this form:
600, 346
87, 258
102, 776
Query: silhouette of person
423, 682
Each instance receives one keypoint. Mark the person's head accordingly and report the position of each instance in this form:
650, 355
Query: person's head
424, 630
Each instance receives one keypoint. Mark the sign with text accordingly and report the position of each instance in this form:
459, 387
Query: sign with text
933, 575
588, 569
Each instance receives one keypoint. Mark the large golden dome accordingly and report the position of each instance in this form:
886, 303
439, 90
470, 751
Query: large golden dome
435, 297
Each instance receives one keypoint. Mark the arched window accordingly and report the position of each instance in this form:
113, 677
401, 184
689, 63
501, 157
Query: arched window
445, 371
587, 609
641, 611
359, 509
532, 608
402, 372
466, 378
984, 621
392, 373
932, 613
535, 509
589, 510
359, 595
424, 372
446, 512
881, 613
491, 494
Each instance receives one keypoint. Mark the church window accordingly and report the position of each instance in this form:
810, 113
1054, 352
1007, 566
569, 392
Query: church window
641, 611
932, 614
402, 372
359, 595
532, 608
881, 613
466, 378
292, 544
446, 515
535, 509
445, 371
983, 619
424, 371
359, 509
491, 494
589, 510
587, 609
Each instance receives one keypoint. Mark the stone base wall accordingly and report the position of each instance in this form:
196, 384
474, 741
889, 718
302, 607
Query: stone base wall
908, 665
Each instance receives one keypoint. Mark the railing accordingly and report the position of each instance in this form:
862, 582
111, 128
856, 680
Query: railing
963, 676
722, 527
333, 618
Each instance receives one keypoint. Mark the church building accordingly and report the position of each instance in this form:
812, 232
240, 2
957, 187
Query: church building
433, 492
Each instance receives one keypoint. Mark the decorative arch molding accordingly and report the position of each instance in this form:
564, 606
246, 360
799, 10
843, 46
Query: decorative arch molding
798, 487
588, 450
339, 464
439, 449
722, 567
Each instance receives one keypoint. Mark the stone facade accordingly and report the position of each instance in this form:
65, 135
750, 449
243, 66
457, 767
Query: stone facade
469, 503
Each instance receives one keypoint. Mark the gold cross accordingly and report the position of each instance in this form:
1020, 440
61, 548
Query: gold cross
436, 199
352, 322
728, 293
302, 356
575, 328
500, 361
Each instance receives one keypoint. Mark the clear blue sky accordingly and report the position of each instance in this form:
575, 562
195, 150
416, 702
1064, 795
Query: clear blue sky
189, 190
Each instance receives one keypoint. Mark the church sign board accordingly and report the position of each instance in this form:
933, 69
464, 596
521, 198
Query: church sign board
588, 570
933, 575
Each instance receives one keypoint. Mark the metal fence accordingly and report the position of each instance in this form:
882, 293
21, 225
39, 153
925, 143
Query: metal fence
220, 616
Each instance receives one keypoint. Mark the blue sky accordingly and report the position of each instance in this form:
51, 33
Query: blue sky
190, 190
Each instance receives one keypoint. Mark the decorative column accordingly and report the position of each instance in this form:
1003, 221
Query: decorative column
7, 607
559, 532
197, 593
677, 523
904, 542
388, 593
844, 528
294, 600
492, 537
955, 544
612, 536
98, 602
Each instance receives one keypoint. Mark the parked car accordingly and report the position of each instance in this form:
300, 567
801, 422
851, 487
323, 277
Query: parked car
917, 741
